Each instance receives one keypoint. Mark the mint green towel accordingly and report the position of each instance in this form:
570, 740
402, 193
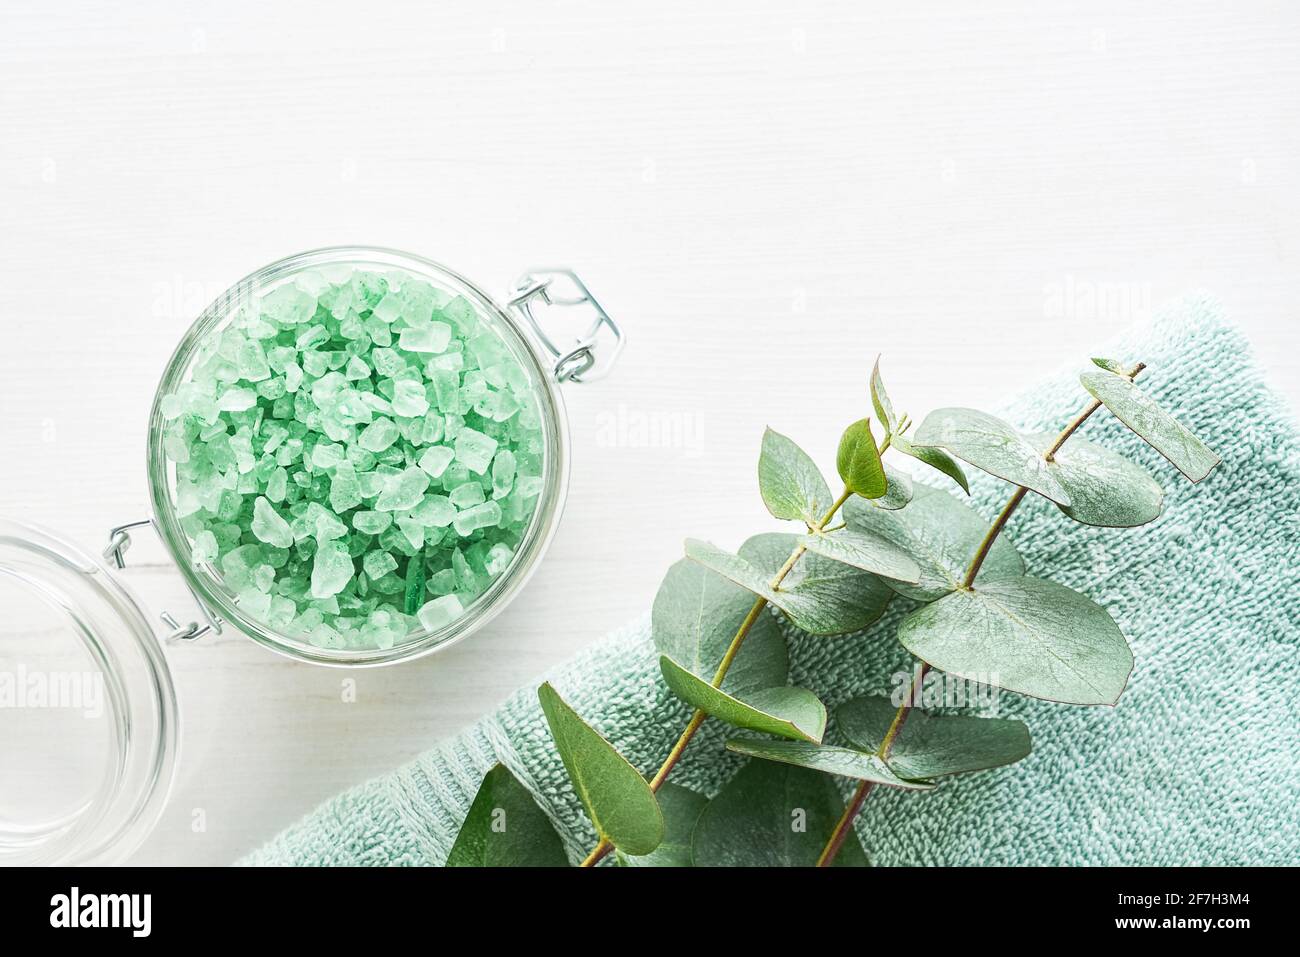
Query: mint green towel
1198, 764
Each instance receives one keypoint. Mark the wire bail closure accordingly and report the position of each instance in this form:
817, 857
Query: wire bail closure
119, 540
576, 363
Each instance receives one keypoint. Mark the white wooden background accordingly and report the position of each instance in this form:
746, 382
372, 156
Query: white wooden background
766, 194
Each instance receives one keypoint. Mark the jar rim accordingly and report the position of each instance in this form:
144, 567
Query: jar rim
419, 642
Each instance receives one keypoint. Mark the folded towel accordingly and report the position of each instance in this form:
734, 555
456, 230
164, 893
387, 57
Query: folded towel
1198, 764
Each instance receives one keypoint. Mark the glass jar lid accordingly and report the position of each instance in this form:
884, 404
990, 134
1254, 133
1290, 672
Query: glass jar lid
88, 712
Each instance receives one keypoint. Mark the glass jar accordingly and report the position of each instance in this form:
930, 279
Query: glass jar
576, 363
89, 719
88, 713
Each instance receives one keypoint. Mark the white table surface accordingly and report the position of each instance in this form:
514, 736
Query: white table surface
766, 194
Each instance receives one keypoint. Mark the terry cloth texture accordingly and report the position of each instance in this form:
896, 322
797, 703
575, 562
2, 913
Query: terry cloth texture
1198, 764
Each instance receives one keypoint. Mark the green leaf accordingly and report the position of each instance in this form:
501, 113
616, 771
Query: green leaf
791, 485
866, 550
681, 808
899, 492
933, 745
696, 615
506, 828
858, 461
1027, 635
880, 400
618, 800
992, 445
935, 458
786, 712
941, 534
772, 815
820, 596
1110, 365
844, 762
1105, 488
1157, 427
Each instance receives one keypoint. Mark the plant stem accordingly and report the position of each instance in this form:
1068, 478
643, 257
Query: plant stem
733, 649
992, 536
845, 824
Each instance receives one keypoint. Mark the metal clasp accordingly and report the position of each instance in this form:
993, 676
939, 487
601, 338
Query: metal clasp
118, 542
562, 287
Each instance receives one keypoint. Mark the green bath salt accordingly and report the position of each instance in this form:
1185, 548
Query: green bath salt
357, 456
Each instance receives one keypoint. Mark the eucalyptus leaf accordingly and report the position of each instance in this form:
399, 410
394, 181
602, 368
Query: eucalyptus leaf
933, 745
772, 815
880, 400
843, 762
936, 458
1157, 427
820, 596
789, 481
1026, 635
696, 615
1110, 365
898, 493
681, 809
941, 534
617, 799
858, 461
1105, 488
787, 712
990, 444
506, 828
867, 550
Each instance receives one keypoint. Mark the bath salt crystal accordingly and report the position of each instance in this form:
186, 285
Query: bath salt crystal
288, 305
388, 309
503, 473
204, 549
379, 435
378, 564
269, 526
442, 582
372, 523
435, 511
237, 400
425, 337
331, 571
280, 611
350, 445
357, 369
436, 459
474, 449
480, 516
413, 530
404, 493
345, 490
255, 603
470, 493
498, 559
409, 399
440, 612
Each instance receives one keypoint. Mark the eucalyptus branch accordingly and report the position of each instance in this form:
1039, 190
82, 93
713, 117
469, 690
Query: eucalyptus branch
845, 823
899, 539
697, 719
